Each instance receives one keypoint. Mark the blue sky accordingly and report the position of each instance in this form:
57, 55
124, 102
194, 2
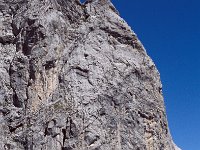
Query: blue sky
170, 32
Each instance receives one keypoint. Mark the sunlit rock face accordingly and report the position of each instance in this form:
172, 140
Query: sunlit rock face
75, 77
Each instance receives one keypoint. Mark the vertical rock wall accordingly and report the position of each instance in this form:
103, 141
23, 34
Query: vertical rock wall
75, 77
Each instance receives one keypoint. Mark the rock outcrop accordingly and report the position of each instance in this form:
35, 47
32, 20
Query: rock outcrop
75, 77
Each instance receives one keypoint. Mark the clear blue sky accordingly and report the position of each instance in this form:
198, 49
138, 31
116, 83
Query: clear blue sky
170, 32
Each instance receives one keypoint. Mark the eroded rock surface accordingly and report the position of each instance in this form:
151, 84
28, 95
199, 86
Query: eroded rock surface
75, 77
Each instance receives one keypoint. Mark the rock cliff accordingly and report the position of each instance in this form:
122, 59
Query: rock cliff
75, 77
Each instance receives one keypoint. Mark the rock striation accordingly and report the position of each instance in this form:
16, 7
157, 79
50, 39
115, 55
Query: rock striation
74, 76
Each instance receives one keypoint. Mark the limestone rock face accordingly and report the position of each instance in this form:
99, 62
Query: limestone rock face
75, 77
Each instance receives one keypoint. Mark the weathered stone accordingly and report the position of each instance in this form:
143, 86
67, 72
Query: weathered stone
75, 77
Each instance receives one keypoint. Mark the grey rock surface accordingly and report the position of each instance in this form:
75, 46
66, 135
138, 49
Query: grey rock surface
75, 77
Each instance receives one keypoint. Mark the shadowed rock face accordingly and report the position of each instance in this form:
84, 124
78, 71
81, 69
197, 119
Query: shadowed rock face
75, 77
